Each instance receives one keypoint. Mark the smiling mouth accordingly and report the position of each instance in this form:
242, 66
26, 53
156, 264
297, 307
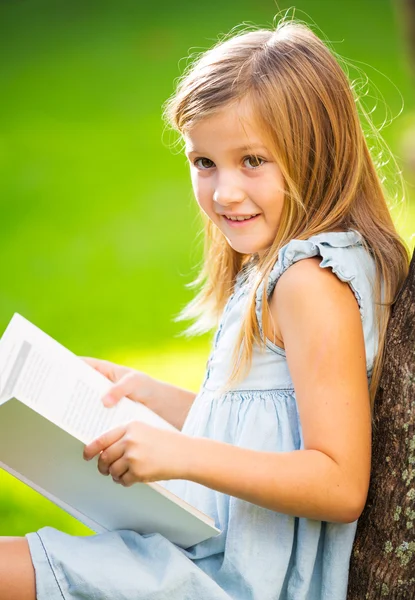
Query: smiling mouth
240, 222
241, 218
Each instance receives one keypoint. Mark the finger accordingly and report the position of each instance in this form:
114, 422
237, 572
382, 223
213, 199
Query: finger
127, 479
115, 373
126, 386
118, 469
105, 367
103, 441
109, 456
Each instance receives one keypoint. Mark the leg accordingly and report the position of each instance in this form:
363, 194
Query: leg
17, 575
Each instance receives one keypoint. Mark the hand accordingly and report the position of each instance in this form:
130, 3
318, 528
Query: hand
168, 401
137, 452
128, 382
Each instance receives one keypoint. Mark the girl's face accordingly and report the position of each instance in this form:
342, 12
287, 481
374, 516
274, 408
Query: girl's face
233, 175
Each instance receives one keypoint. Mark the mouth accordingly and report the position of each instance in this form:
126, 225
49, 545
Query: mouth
241, 222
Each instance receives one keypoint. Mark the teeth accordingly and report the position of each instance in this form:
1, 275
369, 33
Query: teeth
241, 218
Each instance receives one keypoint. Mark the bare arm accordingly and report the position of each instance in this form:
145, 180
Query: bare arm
303, 483
322, 331
172, 403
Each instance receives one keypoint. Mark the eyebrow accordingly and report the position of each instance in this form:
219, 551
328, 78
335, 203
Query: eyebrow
250, 148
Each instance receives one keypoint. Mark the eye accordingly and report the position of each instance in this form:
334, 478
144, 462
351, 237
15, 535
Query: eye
203, 161
256, 161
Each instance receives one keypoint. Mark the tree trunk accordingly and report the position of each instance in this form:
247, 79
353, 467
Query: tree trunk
408, 14
383, 557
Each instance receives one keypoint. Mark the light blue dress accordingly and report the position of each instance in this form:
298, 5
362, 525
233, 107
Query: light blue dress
260, 554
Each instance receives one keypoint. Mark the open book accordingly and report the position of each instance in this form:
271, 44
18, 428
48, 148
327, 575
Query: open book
50, 407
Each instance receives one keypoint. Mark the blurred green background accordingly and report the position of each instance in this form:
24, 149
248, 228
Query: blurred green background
99, 229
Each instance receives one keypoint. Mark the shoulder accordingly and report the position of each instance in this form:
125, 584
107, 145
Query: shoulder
307, 272
306, 290
311, 300
307, 287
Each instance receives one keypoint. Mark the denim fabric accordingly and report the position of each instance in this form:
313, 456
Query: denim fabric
260, 554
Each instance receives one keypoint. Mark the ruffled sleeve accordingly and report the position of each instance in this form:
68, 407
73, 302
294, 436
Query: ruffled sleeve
343, 252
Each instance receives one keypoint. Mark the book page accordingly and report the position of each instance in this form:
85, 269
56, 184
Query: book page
60, 386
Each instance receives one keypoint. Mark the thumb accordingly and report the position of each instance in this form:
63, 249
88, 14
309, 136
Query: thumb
109, 399
126, 386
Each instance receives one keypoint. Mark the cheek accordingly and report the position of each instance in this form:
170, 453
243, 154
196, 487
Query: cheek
201, 191
278, 194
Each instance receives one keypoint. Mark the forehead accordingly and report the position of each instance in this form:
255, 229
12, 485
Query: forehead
230, 128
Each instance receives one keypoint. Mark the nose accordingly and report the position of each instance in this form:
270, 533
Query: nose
227, 193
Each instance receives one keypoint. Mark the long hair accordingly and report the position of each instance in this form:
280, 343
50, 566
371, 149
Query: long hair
306, 108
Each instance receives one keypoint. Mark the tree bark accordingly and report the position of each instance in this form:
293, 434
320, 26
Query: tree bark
383, 557
408, 14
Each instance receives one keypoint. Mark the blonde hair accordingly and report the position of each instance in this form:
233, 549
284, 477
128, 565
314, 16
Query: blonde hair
305, 107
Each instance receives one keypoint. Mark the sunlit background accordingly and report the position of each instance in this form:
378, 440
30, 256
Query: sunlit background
99, 229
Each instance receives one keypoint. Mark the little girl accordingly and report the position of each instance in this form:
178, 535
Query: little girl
302, 265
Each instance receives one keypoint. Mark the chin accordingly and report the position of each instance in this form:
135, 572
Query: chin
245, 248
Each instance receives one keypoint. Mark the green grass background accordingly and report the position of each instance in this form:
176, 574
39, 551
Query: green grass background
99, 229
